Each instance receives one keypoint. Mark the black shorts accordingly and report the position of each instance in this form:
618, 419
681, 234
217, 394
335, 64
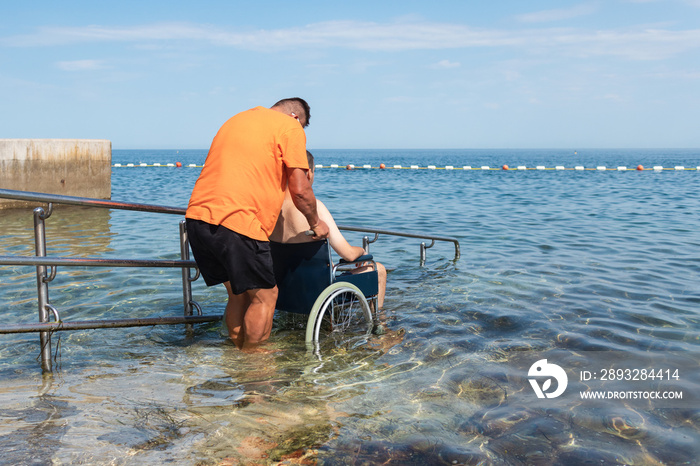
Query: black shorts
223, 255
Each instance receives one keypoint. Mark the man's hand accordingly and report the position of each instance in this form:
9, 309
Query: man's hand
320, 230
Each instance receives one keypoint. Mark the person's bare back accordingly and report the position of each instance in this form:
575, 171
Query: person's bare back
292, 227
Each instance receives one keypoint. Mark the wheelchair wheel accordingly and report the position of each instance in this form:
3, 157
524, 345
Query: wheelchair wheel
340, 316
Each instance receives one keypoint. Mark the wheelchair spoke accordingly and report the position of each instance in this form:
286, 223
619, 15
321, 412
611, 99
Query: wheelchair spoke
344, 320
340, 318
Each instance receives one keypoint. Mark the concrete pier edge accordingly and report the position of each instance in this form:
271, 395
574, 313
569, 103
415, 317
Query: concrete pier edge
70, 167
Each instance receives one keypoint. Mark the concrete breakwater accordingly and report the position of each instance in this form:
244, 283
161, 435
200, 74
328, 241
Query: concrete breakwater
69, 167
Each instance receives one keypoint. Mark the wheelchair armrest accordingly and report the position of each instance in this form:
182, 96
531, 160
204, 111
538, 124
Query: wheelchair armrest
363, 258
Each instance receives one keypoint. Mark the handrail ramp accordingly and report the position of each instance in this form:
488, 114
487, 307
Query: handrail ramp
46, 268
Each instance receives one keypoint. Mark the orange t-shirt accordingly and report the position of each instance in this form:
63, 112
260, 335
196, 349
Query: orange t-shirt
243, 180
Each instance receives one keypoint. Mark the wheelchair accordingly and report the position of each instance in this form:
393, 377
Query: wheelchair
339, 304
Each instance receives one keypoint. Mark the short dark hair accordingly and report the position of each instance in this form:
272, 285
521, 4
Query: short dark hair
310, 160
300, 104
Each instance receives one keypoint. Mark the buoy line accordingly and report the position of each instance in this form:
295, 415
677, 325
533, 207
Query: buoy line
447, 167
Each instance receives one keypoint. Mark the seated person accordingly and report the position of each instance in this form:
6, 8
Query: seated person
292, 226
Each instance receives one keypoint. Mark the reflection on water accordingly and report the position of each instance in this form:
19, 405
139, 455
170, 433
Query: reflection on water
573, 262
70, 232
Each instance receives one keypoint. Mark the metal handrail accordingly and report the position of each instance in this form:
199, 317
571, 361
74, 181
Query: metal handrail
46, 266
114, 323
94, 262
84, 201
87, 201
378, 231
54, 262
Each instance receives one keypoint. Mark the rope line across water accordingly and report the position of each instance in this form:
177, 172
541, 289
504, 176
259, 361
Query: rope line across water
447, 167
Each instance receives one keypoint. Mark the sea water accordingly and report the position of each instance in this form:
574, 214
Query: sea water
588, 267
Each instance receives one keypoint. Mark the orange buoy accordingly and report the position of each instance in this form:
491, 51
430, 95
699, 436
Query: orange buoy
178, 164
505, 167
382, 166
640, 167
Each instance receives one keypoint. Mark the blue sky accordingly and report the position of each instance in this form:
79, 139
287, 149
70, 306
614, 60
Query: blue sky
379, 74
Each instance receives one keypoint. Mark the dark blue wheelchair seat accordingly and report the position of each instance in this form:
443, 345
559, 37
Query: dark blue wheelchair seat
304, 270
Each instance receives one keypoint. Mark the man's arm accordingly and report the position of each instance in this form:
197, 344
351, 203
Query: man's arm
304, 200
336, 238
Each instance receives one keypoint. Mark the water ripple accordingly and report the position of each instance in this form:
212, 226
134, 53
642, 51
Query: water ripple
571, 261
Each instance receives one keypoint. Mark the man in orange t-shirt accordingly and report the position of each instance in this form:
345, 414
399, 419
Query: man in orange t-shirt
235, 204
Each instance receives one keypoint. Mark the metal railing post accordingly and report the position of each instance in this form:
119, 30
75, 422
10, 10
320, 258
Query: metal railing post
423, 247
366, 242
42, 284
186, 285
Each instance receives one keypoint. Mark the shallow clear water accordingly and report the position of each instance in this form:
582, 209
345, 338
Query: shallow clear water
576, 262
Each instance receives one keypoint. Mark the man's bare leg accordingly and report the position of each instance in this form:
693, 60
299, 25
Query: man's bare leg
381, 272
249, 315
257, 322
234, 315
381, 276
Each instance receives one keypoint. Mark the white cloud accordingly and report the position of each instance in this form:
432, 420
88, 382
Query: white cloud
49, 36
81, 65
693, 3
689, 75
558, 14
324, 67
400, 99
445, 65
648, 44
636, 44
613, 97
511, 75
346, 34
